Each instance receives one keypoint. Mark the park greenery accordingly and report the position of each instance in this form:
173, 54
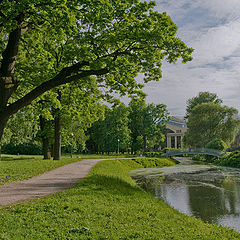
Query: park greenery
48, 48
104, 206
208, 120
136, 128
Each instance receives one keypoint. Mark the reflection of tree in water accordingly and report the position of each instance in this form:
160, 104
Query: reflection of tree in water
232, 196
206, 202
211, 203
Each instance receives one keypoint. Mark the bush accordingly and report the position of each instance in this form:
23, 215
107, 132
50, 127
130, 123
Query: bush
28, 148
169, 149
199, 157
217, 144
231, 160
153, 154
154, 162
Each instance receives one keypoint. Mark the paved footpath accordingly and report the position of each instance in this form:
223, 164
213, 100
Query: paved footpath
47, 183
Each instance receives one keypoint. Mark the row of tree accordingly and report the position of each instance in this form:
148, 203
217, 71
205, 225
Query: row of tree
138, 127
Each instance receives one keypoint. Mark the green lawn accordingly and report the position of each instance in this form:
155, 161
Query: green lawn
105, 205
13, 168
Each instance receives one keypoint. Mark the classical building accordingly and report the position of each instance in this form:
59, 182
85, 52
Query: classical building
176, 128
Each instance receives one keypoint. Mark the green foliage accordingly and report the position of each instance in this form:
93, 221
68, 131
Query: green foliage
124, 37
27, 148
22, 127
203, 97
169, 149
230, 160
209, 121
147, 122
217, 144
105, 205
152, 154
199, 157
112, 132
154, 162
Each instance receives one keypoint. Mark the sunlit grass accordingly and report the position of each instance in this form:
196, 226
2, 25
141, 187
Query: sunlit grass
13, 168
105, 205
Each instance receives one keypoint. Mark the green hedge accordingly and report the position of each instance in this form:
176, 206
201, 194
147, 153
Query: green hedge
28, 148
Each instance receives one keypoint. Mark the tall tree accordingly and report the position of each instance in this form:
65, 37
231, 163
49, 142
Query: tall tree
203, 97
112, 133
209, 121
147, 122
113, 40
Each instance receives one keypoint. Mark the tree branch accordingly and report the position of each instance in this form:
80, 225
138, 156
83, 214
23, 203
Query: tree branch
65, 76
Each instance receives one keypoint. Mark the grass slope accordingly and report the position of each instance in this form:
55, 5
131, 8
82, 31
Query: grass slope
105, 205
23, 167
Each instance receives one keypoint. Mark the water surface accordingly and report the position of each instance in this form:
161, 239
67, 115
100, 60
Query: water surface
206, 192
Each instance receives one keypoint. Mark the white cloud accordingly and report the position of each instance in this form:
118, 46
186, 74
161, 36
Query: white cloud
212, 27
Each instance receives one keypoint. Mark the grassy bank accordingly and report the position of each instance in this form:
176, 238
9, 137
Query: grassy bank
105, 205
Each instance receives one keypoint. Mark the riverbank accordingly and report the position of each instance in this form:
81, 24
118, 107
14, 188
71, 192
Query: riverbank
106, 205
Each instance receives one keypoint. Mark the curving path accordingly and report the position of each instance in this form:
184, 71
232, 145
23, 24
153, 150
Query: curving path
47, 183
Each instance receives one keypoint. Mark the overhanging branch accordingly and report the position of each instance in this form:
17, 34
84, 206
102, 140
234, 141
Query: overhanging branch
65, 76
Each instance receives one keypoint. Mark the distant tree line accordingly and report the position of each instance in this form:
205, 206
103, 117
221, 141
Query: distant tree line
76, 125
139, 127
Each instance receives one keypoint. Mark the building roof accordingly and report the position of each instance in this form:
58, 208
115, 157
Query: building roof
177, 122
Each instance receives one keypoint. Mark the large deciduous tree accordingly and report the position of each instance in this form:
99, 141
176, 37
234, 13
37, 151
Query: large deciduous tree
203, 97
113, 40
209, 121
147, 122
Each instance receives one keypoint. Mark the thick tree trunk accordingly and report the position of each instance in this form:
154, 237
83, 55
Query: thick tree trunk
57, 137
3, 122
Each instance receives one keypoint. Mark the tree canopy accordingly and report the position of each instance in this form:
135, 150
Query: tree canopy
45, 44
203, 97
209, 121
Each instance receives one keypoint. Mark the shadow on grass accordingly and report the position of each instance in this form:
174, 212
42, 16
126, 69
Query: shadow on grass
111, 184
9, 159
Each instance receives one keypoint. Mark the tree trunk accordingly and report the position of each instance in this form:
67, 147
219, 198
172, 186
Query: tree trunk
45, 140
57, 137
3, 123
46, 152
144, 143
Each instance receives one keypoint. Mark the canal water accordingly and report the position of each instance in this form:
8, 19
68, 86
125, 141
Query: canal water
206, 192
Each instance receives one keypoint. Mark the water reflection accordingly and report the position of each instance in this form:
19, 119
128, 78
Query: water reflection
212, 202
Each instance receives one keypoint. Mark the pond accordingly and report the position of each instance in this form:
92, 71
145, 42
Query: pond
207, 192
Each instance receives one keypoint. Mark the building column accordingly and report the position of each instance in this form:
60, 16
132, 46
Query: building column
168, 141
175, 141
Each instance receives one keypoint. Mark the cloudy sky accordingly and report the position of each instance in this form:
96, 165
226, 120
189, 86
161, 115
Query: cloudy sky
212, 28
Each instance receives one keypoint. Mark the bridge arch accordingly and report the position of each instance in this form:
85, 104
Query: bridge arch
190, 151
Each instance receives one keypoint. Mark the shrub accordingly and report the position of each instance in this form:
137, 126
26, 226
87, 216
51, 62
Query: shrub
154, 162
231, 160
198, 157
169, 149
217, 144
153, 154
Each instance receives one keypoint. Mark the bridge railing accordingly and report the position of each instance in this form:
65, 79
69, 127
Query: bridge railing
195, 151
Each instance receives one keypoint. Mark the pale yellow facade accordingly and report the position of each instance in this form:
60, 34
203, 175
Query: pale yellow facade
174, 138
